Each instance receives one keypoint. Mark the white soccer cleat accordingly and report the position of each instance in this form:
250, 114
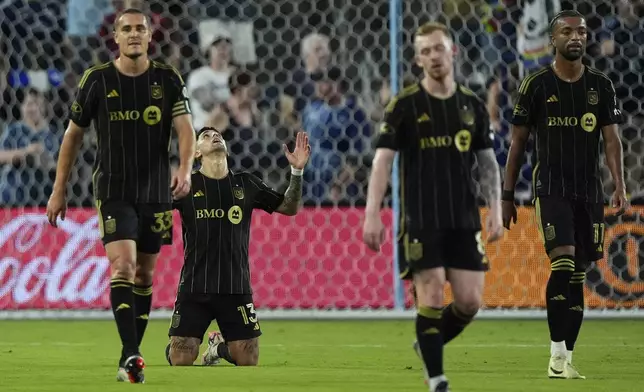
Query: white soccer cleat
121, 375
557, 366
572, 373
210, 356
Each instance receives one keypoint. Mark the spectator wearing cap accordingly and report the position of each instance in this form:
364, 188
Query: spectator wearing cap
315, 51
339, 134
208, 86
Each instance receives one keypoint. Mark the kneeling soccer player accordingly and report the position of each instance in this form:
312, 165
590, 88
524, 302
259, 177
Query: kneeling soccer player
215, 278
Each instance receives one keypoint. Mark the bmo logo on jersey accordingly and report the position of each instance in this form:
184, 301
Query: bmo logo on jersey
151, 115
234, 214
587, 122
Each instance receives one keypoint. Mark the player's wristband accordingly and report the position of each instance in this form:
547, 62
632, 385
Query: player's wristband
296, 172
507, 195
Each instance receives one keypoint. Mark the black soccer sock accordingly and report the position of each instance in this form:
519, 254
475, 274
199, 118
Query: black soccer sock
224, 352
576, 308
142, 306
167, 354
558, 296
122, 300
430, 339
454, 322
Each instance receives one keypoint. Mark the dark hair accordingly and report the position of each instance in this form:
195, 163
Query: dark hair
130, 11
563, 14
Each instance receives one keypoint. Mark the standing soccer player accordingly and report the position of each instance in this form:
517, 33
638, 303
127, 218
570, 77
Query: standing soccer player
133, 103
215, 278
440, 128
567, 105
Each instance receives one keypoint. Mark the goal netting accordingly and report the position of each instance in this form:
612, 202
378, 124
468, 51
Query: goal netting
312, 265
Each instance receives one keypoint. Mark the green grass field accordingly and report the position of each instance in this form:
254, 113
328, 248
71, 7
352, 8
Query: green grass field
324, 356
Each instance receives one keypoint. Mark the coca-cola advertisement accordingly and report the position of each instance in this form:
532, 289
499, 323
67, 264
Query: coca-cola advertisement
313, 260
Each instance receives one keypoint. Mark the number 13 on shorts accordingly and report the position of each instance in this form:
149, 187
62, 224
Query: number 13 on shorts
248, 313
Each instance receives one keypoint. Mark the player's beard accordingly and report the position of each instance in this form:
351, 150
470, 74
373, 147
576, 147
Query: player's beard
571, 56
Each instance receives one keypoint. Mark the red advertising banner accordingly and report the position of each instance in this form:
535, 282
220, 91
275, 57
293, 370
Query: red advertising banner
315, 260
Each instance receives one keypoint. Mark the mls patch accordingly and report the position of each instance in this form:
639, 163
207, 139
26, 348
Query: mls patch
593, 98
238, 193
549, 233
110, 226
156, 92
176, 320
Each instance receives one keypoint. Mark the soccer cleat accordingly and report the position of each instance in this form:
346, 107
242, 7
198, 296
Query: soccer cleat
416, 348
210, 356
557, 366
134, 366
442, 386
121, 375
571, 372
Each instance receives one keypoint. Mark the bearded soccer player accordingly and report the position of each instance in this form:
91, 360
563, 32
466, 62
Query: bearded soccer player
215, 278
134, 103
440, 128
568, 106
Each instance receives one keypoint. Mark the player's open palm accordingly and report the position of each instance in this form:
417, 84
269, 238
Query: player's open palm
56, 206
373, 232
300, 155
509, 211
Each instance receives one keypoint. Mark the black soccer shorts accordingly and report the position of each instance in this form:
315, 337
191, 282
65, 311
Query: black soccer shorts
564, 222
148, 224
446, 248
234, 313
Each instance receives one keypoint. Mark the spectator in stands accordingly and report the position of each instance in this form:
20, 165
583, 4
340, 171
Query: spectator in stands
316, 56
208, 86
242, 124
161, 27
622, 53
339, 134
533, 34
28, 151
84, 18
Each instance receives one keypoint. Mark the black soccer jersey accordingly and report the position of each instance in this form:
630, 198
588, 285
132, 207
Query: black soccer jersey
567, 119
133, 121
436, 139
216, 219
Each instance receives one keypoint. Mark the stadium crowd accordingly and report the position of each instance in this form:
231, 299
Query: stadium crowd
261, 72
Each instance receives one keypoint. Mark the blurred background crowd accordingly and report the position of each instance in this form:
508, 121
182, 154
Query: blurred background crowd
261, 70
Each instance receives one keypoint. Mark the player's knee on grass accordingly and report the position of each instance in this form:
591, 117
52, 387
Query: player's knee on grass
245, 352
430, 287
183, 350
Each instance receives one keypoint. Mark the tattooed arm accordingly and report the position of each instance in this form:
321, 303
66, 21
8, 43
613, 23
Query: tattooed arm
490, 177
292, 197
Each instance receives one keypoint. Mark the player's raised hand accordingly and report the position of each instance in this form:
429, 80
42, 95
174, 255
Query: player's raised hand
373, 232
619, 200
181, 183
56, 206
300, 155
509, 211
494, 225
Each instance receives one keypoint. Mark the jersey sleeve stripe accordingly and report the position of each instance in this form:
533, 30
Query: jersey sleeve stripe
526, 82
89, 71
171, 68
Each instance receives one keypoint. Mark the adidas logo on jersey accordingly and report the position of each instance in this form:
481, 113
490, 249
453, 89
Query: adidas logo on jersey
423, 118
113, 94
553, 98
198, 194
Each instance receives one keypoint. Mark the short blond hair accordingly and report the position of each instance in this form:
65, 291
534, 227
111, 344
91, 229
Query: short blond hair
431, 27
